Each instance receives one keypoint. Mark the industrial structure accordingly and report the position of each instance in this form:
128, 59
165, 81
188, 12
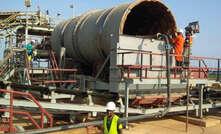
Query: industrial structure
120, 54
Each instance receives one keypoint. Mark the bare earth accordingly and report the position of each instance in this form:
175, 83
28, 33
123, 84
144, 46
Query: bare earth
166, 126
169, 126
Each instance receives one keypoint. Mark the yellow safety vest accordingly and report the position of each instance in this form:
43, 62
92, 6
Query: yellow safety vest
35, 52
113, 127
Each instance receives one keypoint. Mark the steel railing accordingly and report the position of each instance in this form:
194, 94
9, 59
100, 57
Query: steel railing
45, 72
150, 67
12, 111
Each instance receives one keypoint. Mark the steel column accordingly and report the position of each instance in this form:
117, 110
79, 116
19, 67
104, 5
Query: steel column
11, 129
123, 59
188, 88
168, 76
201, 101
151, 62
217, 77
199, 69
126, 101
141, 66
26, 28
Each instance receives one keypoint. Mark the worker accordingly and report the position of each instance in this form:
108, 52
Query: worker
178, 43
35, 53
112, 123
30, 50
187, 45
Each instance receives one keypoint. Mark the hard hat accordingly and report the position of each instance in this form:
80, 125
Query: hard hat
180, 31
111, 106
33, 41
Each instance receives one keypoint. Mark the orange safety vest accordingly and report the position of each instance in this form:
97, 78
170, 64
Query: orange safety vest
178, 46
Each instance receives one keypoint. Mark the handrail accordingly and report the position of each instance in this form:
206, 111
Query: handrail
2, 70
27, 66
24, 113
11, 111
54, 63
7, 58
163, 67
46, 70
9, 18
56, 69
163, 54
10, 55
204, 63
54, 60
133, 51
145, 67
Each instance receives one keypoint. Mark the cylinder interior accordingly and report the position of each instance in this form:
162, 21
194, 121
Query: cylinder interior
149, 18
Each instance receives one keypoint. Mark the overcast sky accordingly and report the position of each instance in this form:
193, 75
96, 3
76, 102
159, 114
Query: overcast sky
207, 12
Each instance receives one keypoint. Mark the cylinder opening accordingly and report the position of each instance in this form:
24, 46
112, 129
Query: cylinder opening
149, 18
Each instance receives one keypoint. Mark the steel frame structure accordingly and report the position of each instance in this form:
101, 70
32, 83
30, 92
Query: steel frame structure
94, 81
150, 67
12, 111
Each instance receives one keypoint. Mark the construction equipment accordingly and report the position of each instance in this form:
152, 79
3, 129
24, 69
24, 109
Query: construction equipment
101, 56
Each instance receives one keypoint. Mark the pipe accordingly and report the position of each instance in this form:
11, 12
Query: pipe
167, 47
81, 125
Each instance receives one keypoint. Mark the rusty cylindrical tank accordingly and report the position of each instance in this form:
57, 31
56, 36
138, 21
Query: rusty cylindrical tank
91, 36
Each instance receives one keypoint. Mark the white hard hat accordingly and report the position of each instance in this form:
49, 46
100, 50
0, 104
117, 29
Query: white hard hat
111, 106
180, 31
33, 41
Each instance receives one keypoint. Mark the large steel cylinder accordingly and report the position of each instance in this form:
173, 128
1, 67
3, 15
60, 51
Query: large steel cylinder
57, 39
91, 36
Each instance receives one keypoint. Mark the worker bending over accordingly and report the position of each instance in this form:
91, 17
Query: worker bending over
112, 123
178, 42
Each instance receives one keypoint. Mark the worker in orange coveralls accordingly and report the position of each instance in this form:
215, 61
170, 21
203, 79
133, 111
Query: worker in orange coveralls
178, 43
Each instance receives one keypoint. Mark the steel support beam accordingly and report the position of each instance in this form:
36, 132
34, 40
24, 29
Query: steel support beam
126, 103
218, 77
102, 67
201, 102
96, 108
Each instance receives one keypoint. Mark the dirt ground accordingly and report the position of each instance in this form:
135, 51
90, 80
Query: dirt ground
165, 126
169, 126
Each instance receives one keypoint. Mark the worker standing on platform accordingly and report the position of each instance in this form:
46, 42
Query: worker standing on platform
187, 45
30, 49
35, 53
112, 123
178, 43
